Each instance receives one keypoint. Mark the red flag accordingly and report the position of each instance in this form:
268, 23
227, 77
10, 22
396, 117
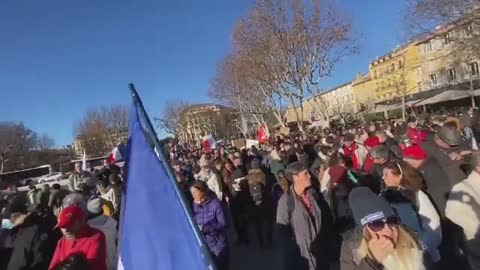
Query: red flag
261, 136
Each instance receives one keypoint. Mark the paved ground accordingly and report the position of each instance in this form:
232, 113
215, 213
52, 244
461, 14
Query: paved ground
252, 258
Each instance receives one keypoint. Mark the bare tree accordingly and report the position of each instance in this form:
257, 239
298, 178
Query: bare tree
45, 142
101, 129
171, 119
16, 141
237, 86
291, 48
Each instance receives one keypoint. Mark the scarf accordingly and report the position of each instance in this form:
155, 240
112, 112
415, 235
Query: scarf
351, 153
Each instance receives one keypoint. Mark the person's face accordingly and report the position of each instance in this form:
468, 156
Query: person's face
389, 230
230, 156
101, 189
218, 166
348, 143
281, 175
78, 167
390, 179
229, 166
414, 162
177, 167
71, 231
197, 194
303, 178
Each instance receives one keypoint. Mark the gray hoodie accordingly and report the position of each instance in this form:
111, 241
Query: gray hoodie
108, 226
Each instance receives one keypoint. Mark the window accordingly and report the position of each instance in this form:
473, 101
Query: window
433, 78
428, 46
447, 38
468, 30
452, 75
400, 64
419, 86
474, 69
392, 67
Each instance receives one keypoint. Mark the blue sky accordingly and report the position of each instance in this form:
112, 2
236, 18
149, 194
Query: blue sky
59, 58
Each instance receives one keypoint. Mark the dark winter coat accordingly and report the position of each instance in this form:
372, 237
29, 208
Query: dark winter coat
210, 216
394, 148
305, 242
34, 244
451, 168
436, 184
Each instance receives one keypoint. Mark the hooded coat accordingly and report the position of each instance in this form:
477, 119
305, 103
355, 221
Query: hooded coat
210, 216
108, 226
304, 239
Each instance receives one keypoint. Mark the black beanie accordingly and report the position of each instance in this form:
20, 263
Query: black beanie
367, 206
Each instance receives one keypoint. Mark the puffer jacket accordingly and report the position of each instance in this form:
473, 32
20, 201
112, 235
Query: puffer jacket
108, 226
210, 217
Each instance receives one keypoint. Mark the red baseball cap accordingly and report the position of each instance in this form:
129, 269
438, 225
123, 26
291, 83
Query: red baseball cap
69, 215
414, 152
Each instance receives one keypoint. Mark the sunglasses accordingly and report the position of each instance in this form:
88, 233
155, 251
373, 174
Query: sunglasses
378, 225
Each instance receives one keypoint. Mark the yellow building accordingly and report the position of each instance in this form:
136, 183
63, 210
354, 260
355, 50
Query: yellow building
397, 73
331, 103
364, 92
444, 63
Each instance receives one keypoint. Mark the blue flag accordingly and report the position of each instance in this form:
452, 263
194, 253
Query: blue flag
156, 230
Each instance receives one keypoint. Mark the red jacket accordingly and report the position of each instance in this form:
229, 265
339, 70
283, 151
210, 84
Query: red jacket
90, 242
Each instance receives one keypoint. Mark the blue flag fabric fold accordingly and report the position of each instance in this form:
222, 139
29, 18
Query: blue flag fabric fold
156, 231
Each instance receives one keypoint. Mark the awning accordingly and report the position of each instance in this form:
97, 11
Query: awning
385, 108
448, 95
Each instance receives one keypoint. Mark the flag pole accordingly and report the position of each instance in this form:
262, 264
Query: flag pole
164, 162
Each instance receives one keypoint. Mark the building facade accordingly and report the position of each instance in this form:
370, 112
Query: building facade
334, 102
397, 73
204, 119
364, 93
443, 64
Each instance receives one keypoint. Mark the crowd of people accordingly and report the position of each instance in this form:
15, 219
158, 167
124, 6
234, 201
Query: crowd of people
358, 196
368, 196
63, 228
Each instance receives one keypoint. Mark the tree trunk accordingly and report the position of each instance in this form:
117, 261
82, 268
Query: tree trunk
472, 94
403, 108
297, 116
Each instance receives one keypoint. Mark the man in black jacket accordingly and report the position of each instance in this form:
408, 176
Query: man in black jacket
390, 143
35, 240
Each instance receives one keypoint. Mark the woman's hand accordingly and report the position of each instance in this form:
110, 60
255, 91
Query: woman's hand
380, 247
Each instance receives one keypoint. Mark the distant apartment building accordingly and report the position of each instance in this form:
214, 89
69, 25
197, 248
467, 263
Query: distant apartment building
203, 119
98, 145
397, 73
441, 65
364, 92
331, 103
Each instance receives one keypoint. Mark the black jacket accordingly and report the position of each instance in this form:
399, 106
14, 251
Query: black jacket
394, 148
35, 242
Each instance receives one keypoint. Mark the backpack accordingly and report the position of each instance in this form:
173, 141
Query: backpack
256, 191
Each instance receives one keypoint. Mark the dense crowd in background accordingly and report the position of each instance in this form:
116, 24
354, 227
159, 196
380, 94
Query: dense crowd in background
378, 195
55, 227
359, 195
